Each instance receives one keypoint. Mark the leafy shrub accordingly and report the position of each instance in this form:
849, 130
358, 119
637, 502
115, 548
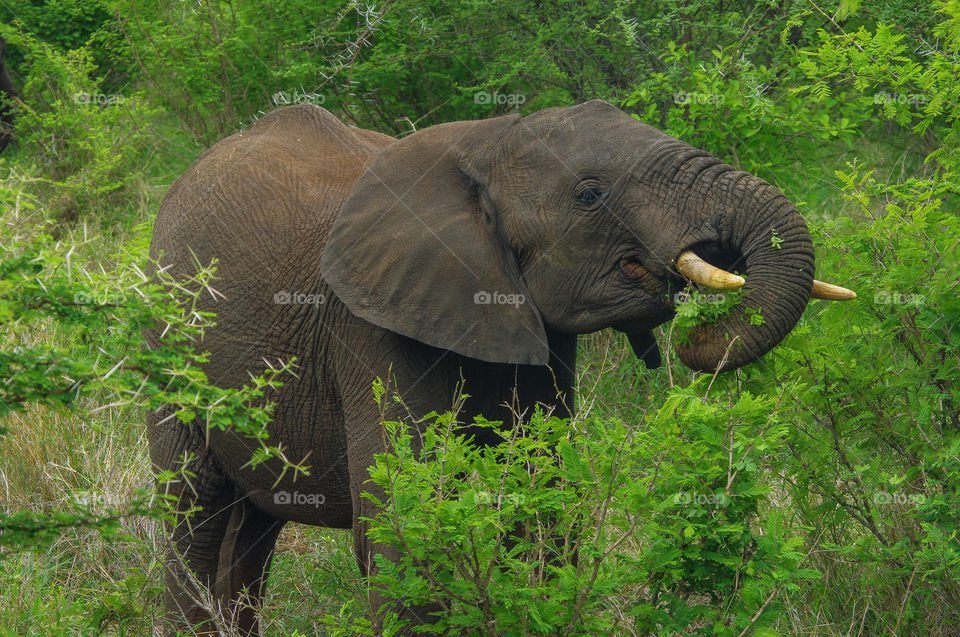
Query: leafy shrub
64, 24
87, 143
215, 65
874, 468
592, 527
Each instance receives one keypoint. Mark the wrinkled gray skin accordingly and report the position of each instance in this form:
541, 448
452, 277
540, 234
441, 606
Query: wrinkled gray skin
7, 94
398, 237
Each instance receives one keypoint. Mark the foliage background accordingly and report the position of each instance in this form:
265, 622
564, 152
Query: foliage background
851, 109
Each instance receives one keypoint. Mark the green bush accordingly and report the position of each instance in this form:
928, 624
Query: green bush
876, 423
595, 526
216, 66
89, 145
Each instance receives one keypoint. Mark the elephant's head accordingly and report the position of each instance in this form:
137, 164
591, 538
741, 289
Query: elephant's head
477, 236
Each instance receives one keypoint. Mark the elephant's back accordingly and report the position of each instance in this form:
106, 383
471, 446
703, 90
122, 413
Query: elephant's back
260, 204
267, 188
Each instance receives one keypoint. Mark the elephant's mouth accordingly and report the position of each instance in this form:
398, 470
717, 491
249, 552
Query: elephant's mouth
663, 286
694, 264
707, 265
660, 284
632, 268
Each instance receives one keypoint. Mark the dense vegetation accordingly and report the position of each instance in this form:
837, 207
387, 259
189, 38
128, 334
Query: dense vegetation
815, 492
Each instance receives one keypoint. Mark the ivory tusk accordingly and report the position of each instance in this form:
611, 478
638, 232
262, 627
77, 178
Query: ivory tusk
830, 292
699, 271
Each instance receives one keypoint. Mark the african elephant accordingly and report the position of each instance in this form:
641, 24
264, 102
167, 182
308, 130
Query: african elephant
8, 93
475, 250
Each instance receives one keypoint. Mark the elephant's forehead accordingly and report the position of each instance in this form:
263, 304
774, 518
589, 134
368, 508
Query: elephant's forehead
590, 135
574, 144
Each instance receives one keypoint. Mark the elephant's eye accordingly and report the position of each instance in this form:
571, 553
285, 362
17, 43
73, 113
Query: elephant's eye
589, 195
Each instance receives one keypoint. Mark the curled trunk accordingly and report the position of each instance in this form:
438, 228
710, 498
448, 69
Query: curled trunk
766, 240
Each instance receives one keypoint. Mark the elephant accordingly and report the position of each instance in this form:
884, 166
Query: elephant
466, 256
8, 93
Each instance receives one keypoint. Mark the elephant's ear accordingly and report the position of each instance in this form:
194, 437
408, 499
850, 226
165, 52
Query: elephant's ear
418, 250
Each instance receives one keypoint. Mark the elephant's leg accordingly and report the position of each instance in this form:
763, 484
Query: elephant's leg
204, 505
365, 551
244, 565
203, 502
365, 438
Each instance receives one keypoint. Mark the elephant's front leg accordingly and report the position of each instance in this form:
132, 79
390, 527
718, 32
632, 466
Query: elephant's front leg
365, 438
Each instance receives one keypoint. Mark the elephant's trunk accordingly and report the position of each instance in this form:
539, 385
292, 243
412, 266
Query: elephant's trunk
763, 237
